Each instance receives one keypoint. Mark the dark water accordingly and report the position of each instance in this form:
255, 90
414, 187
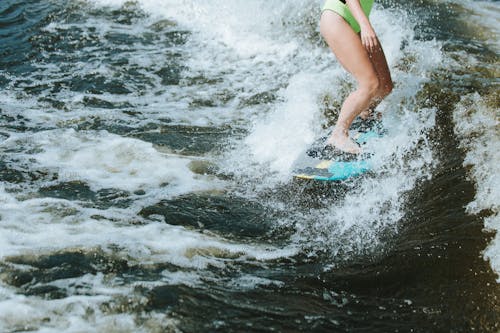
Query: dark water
145, 155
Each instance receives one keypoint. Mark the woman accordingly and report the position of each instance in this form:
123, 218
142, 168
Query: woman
345, 27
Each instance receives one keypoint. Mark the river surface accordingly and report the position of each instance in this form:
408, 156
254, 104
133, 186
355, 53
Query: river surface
146, 150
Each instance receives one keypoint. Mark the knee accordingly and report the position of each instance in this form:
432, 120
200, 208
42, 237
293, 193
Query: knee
386, 89
371, 86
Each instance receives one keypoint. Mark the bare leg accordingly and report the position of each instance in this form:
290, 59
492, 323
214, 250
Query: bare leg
347, 47
379, 63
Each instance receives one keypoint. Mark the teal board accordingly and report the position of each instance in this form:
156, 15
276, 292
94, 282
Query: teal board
336, 169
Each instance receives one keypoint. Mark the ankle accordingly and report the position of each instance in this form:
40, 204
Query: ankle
340, 130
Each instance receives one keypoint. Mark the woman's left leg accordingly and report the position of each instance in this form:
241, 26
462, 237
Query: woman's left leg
377, 57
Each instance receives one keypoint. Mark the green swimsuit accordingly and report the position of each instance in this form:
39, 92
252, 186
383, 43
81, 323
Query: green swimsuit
340, 7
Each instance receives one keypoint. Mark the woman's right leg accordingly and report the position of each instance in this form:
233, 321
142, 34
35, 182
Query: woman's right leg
347, 47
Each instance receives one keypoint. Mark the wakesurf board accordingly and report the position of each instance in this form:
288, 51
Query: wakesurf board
323, 164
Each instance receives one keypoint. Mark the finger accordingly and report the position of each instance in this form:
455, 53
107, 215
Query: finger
370, 44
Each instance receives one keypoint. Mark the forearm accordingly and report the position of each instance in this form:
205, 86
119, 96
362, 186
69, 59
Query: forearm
358, 13
368, 36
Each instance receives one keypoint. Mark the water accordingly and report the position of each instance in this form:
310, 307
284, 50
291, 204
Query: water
146, 150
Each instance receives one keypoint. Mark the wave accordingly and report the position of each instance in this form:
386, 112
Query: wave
477, 128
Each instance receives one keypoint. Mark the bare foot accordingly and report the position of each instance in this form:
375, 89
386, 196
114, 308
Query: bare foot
340, 139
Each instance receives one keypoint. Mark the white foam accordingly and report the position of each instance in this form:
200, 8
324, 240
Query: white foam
148, 243
289, 128
39, 226
249, 282
229, 45
104, 160
476, 124
73, 314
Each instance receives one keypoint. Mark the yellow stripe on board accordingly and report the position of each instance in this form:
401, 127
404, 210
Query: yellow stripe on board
323, 165
303, 176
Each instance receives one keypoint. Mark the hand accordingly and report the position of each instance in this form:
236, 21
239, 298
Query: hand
369, 38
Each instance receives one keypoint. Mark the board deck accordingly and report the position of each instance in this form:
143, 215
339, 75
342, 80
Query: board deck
336, 168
